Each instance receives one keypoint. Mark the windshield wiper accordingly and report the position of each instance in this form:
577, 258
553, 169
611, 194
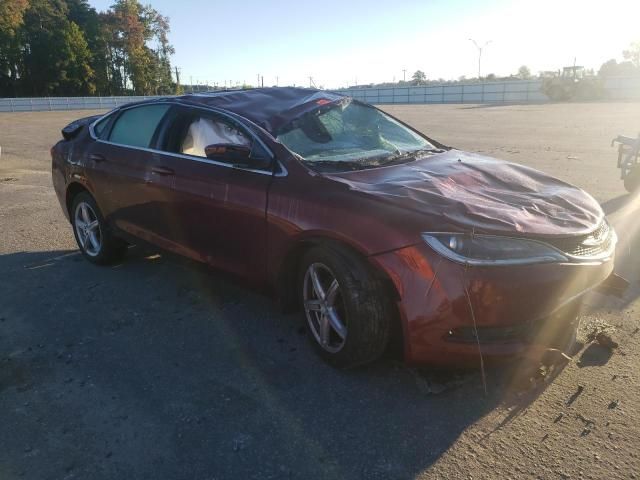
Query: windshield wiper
373, 162
413, 154
340, 165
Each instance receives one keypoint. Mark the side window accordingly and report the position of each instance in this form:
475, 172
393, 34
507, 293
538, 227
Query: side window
100, 128
136, 126
201, 131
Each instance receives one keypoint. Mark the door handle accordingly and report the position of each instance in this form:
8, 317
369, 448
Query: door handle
162, 171
96, 157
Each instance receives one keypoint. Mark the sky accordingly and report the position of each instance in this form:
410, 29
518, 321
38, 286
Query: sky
341, 42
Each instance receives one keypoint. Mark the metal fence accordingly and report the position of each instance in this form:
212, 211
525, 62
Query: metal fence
515, 91
64, 103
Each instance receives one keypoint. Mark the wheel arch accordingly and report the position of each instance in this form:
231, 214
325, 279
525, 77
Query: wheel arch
290, 266
287, 276
73, 189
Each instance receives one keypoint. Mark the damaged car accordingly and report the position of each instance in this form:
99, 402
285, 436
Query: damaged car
374, 231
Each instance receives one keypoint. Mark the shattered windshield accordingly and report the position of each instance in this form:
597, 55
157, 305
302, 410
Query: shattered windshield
351, 135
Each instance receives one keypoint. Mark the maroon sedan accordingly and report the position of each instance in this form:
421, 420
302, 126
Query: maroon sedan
373, 229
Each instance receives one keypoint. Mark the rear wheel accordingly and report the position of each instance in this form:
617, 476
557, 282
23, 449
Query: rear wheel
96, 242
347, 310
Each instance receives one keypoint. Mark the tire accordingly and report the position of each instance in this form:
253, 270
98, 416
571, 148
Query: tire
93, 236
632, 180
357, 299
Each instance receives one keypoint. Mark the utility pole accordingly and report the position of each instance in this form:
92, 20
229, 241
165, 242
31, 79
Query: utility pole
277, 79
262, 81
191, 82
177, 77
258, 84
404, 75
480, 48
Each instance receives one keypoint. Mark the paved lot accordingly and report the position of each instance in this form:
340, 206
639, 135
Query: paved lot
158, 368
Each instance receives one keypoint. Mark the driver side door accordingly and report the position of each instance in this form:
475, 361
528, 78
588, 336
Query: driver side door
216, 209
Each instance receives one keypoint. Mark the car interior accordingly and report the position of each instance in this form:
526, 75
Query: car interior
206, 131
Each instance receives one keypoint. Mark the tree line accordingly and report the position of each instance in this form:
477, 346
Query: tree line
67, 48
630, 66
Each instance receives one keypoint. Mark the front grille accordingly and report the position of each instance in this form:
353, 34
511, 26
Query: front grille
593, 244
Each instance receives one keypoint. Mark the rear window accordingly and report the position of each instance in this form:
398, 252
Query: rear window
136, 126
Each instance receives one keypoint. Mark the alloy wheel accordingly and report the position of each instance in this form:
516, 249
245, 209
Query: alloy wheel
324, 307
88, 230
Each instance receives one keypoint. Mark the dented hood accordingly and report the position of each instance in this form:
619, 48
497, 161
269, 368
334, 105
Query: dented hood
472, 192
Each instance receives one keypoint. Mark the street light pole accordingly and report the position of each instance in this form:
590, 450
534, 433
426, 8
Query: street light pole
480, 48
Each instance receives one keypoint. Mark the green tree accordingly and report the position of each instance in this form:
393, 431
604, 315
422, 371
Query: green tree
130, 29
524, 73
56, 57
419, 78
159, 25
66, 47
76, 74
11, 21
612, 68
633, 54
89, 21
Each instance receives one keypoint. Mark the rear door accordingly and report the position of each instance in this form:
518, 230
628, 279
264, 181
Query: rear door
120, 167
217, 209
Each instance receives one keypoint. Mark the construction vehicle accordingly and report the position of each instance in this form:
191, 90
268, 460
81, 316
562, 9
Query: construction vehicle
574, 83
628, 157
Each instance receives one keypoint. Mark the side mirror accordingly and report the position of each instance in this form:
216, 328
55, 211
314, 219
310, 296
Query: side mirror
228, 152
239, 155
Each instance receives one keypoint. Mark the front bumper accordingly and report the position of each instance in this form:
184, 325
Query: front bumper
516, 308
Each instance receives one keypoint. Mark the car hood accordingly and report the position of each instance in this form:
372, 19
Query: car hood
465, 191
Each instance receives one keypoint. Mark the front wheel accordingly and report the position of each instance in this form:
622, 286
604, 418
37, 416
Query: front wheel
96, 242
347, 310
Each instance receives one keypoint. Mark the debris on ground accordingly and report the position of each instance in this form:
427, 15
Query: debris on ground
600, 332
589, 424
576, 394
553, 356
614, 404
433, 383
605, 340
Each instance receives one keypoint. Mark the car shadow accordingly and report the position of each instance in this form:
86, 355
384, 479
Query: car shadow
613, 205
161, 368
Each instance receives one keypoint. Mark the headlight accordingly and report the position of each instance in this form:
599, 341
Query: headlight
491, 250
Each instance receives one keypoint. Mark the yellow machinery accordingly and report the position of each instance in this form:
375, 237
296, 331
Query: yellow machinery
574, 83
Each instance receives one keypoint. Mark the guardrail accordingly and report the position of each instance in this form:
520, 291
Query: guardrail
514, 91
